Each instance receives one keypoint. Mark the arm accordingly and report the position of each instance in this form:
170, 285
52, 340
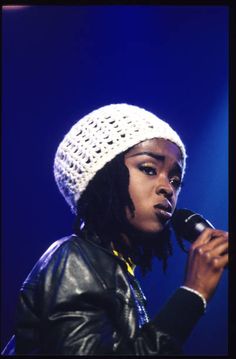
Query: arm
206, 262
207, 259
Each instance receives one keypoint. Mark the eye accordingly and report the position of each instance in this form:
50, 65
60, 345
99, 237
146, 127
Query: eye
148, 170
176, 182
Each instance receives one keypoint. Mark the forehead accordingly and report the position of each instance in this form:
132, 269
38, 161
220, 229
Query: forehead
158, 145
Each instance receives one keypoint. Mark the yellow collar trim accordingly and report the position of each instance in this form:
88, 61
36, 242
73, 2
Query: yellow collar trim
129, 263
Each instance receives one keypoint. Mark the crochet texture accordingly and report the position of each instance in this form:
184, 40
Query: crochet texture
97, 138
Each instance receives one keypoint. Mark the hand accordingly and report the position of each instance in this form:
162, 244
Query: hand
208, 256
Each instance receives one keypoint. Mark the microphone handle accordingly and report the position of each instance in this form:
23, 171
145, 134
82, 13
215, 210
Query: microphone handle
195, 225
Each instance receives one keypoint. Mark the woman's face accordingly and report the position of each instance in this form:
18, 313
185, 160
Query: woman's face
155, 168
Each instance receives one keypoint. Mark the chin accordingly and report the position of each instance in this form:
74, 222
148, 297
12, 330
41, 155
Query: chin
151, 231
152, 228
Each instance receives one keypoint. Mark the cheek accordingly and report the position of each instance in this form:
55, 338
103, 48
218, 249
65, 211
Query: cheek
143, 200
141, 197
140, 188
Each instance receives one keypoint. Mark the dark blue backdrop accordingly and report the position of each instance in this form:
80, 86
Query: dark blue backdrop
59, 63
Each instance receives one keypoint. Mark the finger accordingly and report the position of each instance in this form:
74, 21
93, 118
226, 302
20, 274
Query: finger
220, 233
218, 252
220, 249
207, 235
220, 262
215, 243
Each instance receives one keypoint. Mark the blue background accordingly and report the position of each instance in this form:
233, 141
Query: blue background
61, 62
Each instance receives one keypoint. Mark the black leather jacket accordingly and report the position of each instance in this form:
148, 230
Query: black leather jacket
79, 299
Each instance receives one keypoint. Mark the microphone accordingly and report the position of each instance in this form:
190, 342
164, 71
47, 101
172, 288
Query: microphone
188, 224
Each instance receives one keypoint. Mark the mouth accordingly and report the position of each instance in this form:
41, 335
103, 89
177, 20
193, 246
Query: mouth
164, 210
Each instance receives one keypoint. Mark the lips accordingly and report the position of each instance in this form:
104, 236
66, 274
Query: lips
164, 209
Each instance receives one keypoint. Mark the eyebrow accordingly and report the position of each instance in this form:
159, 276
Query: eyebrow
157, 157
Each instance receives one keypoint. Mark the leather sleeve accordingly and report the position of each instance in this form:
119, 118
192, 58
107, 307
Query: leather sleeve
180, 314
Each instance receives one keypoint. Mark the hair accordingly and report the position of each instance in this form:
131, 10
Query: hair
101, 213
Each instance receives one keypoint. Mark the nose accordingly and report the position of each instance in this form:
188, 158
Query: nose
164, 187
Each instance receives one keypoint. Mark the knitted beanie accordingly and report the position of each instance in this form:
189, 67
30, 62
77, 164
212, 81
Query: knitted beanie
97, 138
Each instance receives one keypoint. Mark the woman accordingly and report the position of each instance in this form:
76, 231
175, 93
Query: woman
120, 169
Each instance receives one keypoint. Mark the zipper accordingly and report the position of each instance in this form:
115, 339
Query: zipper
140, 302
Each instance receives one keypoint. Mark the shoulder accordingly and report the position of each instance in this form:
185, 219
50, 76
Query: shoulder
76, 271
74, 257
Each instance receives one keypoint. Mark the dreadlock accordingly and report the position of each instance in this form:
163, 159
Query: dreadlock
101, 210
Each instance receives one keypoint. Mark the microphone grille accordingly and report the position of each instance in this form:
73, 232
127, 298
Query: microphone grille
184, 223
180, 217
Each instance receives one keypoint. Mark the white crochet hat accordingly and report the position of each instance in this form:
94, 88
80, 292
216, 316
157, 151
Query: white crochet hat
97, 138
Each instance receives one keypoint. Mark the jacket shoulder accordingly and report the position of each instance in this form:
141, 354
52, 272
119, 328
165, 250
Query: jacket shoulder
74, 257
